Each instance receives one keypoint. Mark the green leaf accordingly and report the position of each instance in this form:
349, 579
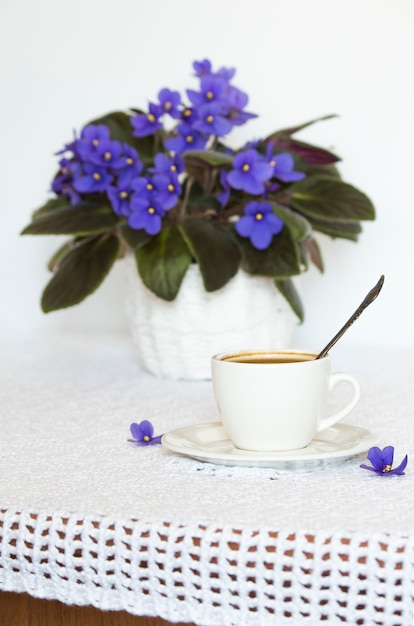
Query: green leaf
336, 229
211, 157
288, 290
120, 128
323, 170
297, 224
295, 129
163, 262
60, 253
280, 260
51, 205
80, 272
133, 237
311, 248
83, 218
327, 198
214, 249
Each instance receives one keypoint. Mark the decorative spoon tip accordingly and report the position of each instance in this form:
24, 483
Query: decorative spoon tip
370, 297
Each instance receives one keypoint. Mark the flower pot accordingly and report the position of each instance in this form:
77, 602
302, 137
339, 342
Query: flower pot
177, 339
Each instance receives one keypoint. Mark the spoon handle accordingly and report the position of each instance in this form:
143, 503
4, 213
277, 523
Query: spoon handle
370, 297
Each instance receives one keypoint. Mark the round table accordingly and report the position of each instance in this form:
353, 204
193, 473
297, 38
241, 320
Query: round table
88, 518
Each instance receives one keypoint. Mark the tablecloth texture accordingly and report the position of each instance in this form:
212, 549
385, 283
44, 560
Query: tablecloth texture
88, 518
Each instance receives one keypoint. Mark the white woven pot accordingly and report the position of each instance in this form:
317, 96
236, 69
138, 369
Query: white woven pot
177, 339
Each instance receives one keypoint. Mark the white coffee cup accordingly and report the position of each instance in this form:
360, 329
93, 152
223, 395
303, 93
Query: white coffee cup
271, 400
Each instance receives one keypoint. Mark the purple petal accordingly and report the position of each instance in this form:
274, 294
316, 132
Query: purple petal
375, 456
387, 456
289, 177
283, 161
274, 222
245, 181
371, 469
147, 428
155, 440
245, 225
261, 237
136, 431
262, 171
400, 469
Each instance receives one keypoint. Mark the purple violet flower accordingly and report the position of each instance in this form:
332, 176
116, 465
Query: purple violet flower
90, 139
131, 166
187, 139
259, 223
162, 189
146, 214
236, 100
167, 190
93, 179
165, 165
250, 172
143, 434
188, 115
211, 90
283, 165
120, 197
62, 184
147, 124
211, 121
143, 186
202, 67
226, 72
382, 461
107, 154
170, 102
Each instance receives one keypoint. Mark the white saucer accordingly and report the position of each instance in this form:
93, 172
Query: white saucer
209, 442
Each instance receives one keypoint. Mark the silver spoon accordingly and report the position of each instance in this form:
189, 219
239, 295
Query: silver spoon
370, 297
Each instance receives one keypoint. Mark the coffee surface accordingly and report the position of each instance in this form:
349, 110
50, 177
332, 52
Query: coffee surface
266, 359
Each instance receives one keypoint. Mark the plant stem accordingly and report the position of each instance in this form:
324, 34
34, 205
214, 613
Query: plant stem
184, 203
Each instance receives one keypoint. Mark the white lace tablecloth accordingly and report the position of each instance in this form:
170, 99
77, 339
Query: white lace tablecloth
87, 518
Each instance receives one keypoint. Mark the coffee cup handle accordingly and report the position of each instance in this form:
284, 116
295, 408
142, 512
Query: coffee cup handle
334, 380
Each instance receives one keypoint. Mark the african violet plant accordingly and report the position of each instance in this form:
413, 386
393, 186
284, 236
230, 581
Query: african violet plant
163, 184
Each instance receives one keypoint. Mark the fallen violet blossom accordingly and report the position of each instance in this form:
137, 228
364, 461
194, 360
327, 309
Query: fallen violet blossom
143, 434
382, 461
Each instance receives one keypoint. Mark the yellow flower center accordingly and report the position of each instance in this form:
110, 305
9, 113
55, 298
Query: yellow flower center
150, 187
123, 194
259, 216
187, 112
170, 187
167, 105
209, 95
387, 468
210, 118
64, 170
129, 161
146, 438
272, 163
107, 156
96, 176
246, 167
151, 210
189, 139
173, 168
95, 142
151, 117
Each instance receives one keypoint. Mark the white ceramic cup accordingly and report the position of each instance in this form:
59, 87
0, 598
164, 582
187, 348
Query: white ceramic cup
272, 406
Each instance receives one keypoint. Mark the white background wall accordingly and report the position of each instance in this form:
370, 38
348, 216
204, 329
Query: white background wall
64, 63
